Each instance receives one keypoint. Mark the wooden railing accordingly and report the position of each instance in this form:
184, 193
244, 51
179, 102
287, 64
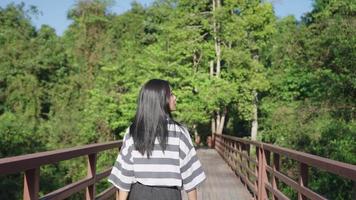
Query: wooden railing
30, 164
251, 161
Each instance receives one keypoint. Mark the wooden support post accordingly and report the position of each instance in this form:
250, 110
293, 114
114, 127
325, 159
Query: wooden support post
248, 164
276, 162
31, 184
225, 147
213, 141
303, 179
235, 154
240, 164
90, 190
249, 167
232, 153
216, 141
354, 190
262, 175
259, 159
228, 152
256, 182
218, 144
268, 157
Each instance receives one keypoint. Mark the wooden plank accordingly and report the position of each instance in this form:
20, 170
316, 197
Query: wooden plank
31, 184
303, 179
221, 182
91, 173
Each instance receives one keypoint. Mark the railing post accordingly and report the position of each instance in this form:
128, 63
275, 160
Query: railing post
90, 190
303, 179
213, 141
215, 147
31, 184
257, 172
248, 150
276, 162
260, 166
262, 194
246, 165
267, 157
224, 146
234, 159
354, 190
217, 143
240, 164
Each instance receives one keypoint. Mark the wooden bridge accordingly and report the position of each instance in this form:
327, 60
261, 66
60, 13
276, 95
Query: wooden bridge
252, 170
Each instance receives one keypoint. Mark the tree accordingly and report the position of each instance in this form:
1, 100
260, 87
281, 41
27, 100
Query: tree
243, 29
311, 97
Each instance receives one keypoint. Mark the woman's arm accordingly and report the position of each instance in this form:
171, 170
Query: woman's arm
123, 195
192, 195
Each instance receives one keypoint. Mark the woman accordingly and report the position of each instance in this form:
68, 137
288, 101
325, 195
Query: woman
157, 157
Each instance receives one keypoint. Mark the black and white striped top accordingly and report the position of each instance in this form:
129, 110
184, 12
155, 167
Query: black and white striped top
177, 166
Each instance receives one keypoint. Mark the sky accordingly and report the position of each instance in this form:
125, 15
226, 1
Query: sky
54, 12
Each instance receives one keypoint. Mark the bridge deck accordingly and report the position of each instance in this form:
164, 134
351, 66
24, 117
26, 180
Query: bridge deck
221, 181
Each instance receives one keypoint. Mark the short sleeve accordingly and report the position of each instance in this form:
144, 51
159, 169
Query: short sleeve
191, 169
122, 173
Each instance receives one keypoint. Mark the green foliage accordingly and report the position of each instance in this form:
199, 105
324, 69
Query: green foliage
310, 104
81, 88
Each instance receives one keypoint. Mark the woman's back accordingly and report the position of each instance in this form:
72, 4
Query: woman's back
177, 165
157, 157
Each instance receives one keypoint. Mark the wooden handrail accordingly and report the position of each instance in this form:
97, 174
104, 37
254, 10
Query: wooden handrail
24, 162
252, 168
236, 151
31, 163
339, 168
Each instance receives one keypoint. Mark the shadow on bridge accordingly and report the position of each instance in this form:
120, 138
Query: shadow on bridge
221, 182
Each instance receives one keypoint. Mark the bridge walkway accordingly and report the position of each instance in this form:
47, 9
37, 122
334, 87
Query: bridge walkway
221, 182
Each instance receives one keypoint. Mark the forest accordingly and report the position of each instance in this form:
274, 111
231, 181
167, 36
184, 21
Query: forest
235, 67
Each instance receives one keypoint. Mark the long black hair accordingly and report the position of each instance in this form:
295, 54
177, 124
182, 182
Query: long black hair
152, 116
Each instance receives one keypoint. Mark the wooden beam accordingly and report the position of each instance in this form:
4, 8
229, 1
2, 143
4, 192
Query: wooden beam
90, 190
31, 184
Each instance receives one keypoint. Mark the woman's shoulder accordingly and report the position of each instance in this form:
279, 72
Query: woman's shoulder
127, 136
179, 128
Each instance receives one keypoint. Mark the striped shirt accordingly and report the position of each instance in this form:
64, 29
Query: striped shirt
177, 166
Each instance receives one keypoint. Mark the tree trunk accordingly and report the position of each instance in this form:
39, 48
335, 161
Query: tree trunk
216, 26
196, 135
218, 120
254, 117
213, 124
195, 130
220, 126
211, 68
218, 117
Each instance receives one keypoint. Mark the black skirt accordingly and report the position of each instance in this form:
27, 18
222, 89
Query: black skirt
143, 192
